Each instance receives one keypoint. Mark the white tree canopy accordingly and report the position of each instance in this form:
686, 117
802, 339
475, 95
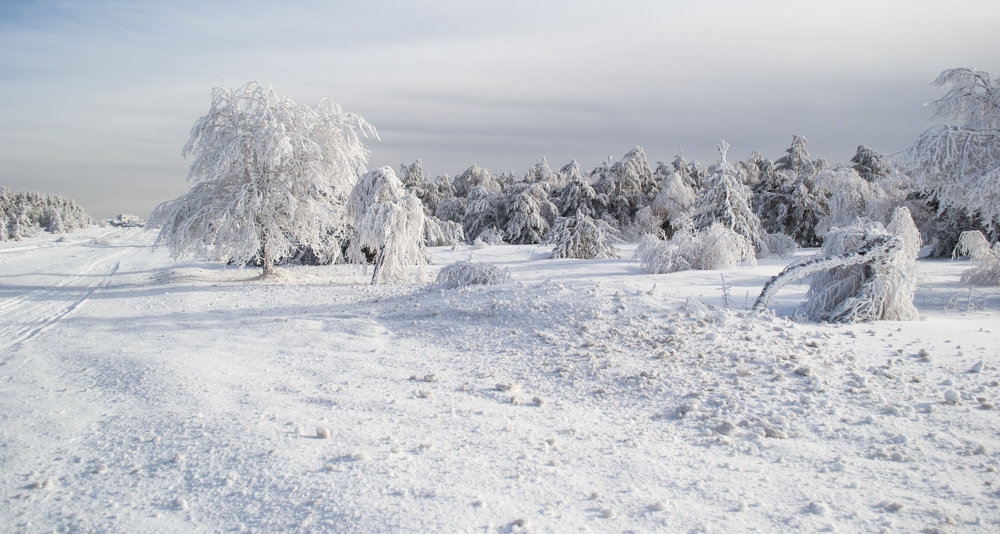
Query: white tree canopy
958, 164
272, 176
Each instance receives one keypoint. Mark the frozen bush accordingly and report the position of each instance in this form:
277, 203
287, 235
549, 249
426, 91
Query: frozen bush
581, 237
710, 248
780, 245
488, 238
470, 273
986, 271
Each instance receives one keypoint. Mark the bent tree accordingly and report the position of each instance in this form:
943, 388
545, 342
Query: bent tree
272, 176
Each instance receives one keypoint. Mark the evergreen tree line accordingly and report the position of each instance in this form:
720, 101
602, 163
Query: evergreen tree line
25, 214
775, 204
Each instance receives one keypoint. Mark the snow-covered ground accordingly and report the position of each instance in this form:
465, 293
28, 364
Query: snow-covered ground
138, 394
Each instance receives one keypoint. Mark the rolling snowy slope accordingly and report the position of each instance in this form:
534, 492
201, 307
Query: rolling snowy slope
139, 394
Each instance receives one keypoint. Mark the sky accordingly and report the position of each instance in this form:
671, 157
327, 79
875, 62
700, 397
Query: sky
97, 98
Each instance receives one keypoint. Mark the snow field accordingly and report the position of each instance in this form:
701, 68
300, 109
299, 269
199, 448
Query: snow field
583, 395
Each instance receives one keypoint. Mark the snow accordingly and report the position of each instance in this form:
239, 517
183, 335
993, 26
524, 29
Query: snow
140, 394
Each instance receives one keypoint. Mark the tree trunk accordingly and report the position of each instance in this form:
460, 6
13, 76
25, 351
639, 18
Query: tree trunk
266, 264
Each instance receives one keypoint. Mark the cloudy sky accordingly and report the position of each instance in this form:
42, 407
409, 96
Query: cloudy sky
97, 98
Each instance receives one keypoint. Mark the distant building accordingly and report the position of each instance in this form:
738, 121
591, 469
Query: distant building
126, 220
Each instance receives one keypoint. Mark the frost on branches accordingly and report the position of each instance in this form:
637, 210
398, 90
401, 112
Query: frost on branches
864, 272
388, 226
581, 237
271, 177
958, 164
714, 247
986, 259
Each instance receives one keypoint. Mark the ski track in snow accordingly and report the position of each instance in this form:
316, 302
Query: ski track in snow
582, 396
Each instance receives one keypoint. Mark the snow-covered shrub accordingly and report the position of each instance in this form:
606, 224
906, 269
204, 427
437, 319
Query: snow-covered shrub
986, 271
581, 237
881, 286
714, 247
438, 233
470, 273
780, 245
488, 238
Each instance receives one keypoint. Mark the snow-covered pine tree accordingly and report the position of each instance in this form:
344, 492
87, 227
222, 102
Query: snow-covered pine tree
958, 164
869, 164
796, 158
580, 236
541, 172
527, 213
577, 196
787, 200
271, 175
727, 200
388, 225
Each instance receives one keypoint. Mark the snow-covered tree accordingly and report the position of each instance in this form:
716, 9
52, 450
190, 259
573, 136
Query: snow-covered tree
541, 172
796, 157
787, 200
482, 211
438, 233
475, 176
986, 258
272, 176
869, 164
580, 236
412, 175
388, 225
851, 197
577, 196
865, 272
725, 199
674, 202
527, 213
958, 164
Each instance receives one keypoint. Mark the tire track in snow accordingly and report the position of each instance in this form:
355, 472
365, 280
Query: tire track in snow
35, 311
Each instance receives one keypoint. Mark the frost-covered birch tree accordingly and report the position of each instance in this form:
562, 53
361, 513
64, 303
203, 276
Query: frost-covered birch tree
958, 163
388, 225
271, 176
